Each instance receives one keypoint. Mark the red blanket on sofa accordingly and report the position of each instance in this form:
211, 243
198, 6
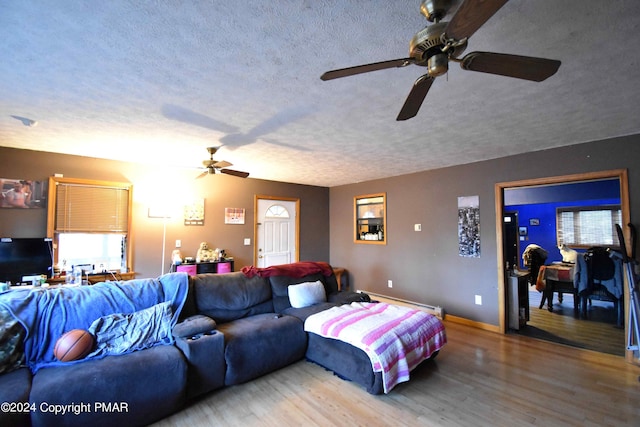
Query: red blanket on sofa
296, 269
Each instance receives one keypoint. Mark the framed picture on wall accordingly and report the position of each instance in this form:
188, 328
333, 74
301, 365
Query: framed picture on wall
23, 194
234, 215
534, 221
194, 212
523, 231
469, 226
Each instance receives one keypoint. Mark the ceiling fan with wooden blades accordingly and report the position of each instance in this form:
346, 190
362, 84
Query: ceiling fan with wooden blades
214, 166
440, 42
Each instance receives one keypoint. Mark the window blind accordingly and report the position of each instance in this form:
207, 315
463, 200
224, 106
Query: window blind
588, 226
86, 208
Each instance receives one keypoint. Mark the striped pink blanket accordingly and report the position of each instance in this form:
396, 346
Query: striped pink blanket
395, 338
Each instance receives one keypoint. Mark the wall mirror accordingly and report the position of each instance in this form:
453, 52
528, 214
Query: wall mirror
370, 218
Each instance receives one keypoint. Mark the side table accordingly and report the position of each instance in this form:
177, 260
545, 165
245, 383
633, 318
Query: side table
341, 274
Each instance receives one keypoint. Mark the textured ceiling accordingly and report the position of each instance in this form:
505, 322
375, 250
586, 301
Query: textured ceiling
160, 81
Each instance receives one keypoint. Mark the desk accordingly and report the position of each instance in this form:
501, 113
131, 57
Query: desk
559, 278
96, 278
57, 282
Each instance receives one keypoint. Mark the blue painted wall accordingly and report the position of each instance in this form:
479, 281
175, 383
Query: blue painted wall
541, 203
544, 234
578, 191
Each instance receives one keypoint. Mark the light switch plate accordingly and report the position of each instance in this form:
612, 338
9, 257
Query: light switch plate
417, 227
247, 241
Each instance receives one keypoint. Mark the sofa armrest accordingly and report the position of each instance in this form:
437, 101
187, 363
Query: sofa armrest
194, 325
205, 357
347, 297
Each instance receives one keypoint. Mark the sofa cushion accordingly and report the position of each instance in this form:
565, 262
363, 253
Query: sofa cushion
226, 297
150, 383
15, 387
306, 294
260, 344
304, 312
190, 307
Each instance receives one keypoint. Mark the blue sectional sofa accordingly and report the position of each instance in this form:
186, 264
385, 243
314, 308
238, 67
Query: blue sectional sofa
224, 329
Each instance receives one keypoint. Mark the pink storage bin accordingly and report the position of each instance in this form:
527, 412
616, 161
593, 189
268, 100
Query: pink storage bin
224, 267
190, 269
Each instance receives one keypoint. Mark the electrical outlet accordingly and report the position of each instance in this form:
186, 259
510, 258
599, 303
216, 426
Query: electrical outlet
417, 227
178, 243
390, 283
478, 299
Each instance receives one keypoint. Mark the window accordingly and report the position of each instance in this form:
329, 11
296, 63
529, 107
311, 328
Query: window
588, 226
277, 211
89, 222
103, 251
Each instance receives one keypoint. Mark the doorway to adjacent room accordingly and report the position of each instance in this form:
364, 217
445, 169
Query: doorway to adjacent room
599, 332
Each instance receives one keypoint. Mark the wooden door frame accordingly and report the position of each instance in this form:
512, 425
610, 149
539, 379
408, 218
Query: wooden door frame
620, 174
255, 223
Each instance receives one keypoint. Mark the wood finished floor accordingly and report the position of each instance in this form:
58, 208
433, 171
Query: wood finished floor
599, 332
480, 378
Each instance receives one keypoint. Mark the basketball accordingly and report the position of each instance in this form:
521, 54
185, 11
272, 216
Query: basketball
73, 345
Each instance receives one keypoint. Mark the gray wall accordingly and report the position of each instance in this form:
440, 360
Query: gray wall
425, 266
153, 186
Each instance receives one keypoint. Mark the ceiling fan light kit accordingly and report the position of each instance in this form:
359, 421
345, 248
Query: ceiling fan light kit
214, 166
441, 41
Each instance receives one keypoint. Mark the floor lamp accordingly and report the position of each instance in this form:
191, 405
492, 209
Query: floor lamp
164, 241
165, 215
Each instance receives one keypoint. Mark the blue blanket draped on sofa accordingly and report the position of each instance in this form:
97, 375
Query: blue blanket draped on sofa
46, 314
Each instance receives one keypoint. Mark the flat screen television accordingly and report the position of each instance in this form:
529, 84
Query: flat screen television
25, 257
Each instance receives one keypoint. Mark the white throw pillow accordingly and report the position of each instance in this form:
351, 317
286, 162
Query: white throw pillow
306, 294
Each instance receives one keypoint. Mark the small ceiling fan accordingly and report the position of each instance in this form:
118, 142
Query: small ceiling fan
438, 43
213, 166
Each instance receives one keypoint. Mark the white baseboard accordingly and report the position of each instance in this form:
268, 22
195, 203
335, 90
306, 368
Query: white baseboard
435, 310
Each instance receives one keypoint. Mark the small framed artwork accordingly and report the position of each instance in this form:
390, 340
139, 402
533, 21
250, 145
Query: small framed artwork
522, 231
194, 213
234, 215
158, 212
534, 221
